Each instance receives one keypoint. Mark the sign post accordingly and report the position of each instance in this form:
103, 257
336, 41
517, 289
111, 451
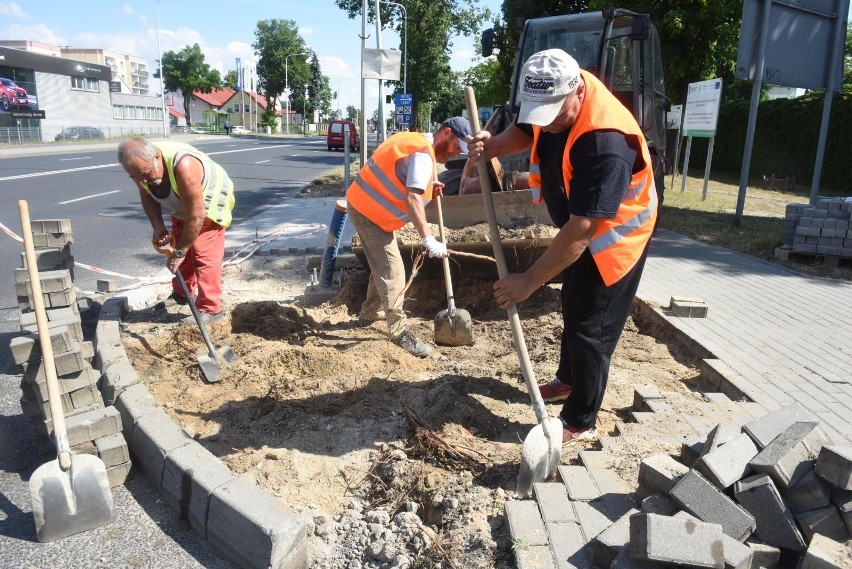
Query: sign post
702, 114
674, 122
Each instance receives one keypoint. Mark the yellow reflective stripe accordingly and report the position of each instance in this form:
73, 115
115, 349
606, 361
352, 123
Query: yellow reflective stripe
634, 193
385, 182
535, 169
381, 200
616, 234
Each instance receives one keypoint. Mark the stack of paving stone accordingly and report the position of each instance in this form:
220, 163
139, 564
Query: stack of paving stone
820, 229
92, 428
774, 493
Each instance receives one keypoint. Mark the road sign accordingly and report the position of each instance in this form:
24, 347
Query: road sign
404, 103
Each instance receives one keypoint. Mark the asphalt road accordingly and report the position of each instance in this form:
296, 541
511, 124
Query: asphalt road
86, 185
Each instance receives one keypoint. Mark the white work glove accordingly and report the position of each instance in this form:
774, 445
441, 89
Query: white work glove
435, 247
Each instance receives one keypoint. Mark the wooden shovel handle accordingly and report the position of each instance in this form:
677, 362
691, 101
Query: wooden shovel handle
53, 395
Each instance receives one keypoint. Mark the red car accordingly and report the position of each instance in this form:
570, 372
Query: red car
11, 95
335, 136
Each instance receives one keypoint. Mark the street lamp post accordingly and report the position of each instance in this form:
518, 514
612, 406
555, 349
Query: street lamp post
287, 88
162, 78
404, 42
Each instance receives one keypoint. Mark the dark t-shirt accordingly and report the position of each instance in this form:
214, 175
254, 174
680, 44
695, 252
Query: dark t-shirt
603, 163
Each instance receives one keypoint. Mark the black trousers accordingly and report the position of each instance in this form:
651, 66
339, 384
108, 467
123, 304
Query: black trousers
593, 317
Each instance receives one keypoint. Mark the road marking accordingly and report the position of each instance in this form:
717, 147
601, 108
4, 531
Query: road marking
262, 162
81, 158
88, 197
98, 167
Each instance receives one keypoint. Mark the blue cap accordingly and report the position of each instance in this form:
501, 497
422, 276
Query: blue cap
461, 128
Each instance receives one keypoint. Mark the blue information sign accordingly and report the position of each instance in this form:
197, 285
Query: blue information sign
404, 103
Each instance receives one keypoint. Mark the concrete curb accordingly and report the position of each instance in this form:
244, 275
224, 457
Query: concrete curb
246, 524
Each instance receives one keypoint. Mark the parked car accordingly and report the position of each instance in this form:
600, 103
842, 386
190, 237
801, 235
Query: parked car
335, 136
200, 129
11, 95
80, 133
239, 129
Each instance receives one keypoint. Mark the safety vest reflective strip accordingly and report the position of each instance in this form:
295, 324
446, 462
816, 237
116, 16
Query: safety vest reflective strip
377, 193
218, 188
380, 199
617, 243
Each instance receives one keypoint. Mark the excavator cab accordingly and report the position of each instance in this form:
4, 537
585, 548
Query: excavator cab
622, 49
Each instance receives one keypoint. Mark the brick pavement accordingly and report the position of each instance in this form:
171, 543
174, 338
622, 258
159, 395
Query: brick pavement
785, 336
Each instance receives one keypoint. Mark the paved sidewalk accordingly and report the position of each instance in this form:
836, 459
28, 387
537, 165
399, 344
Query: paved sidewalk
782, 336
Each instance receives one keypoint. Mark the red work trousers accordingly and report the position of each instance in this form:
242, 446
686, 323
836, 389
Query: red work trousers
202, 266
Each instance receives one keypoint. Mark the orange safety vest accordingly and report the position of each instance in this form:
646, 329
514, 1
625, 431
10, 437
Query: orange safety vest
617, 243
377, 193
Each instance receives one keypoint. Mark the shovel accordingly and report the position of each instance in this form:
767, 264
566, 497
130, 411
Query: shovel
542, 448
212, 362
70, 494
453, 326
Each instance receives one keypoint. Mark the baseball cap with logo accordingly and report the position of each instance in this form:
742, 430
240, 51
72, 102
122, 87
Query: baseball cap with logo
461, 128
546, 79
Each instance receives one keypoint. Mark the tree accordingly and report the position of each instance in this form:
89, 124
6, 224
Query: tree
186, 72
847, 61
487, 83
275, 40
351, 113
431, 27
230, 79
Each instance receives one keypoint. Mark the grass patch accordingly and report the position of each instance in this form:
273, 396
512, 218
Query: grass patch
711, 220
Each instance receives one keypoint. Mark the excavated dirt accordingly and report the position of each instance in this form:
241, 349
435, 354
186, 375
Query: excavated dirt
352, 431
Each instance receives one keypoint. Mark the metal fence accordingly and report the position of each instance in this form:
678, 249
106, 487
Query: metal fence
61, 133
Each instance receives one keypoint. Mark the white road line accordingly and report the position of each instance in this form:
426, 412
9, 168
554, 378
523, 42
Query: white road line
84, 168
87, 197
80, 158
262, 162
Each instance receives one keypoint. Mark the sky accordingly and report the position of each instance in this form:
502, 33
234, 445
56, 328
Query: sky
224, 30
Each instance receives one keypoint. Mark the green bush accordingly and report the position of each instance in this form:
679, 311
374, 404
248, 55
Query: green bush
785, 140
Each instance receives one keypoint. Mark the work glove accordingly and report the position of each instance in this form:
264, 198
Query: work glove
435, 247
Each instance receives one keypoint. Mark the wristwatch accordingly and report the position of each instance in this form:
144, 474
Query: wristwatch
179, 253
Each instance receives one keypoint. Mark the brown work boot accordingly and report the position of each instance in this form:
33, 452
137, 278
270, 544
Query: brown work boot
412, 345
554, 390
577, 434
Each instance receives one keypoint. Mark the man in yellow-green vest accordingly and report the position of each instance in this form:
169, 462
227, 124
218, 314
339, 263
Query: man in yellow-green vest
199, 196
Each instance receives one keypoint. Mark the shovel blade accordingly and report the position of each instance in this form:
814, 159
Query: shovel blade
73, 501
540, 455
211, 365
455, 329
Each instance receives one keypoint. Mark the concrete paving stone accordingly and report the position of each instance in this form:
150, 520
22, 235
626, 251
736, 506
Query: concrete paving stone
118, 473
615, 493
842, 499
825, 553
154, 437
791, 454
701, 498
191, 474
679, 541
112, 449
763, 555
255, 529
659, 504
567, 544
644, 393
658, 473
67, 383
624, 561
534, 557
592, 517
825, 521
116, 379
728, 462
691, 449
134, 403
525, 522
607, 544
775, 523
719, 435
765, 429
65, 364
810, 492
553, 502
737, 555
92, 425
834, 465
28, 348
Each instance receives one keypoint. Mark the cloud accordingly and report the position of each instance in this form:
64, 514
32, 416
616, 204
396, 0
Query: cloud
27, 33
306, 31
335, 67
127, 9
12, 10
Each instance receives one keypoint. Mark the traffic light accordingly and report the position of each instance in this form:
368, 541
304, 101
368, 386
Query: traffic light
388, 99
